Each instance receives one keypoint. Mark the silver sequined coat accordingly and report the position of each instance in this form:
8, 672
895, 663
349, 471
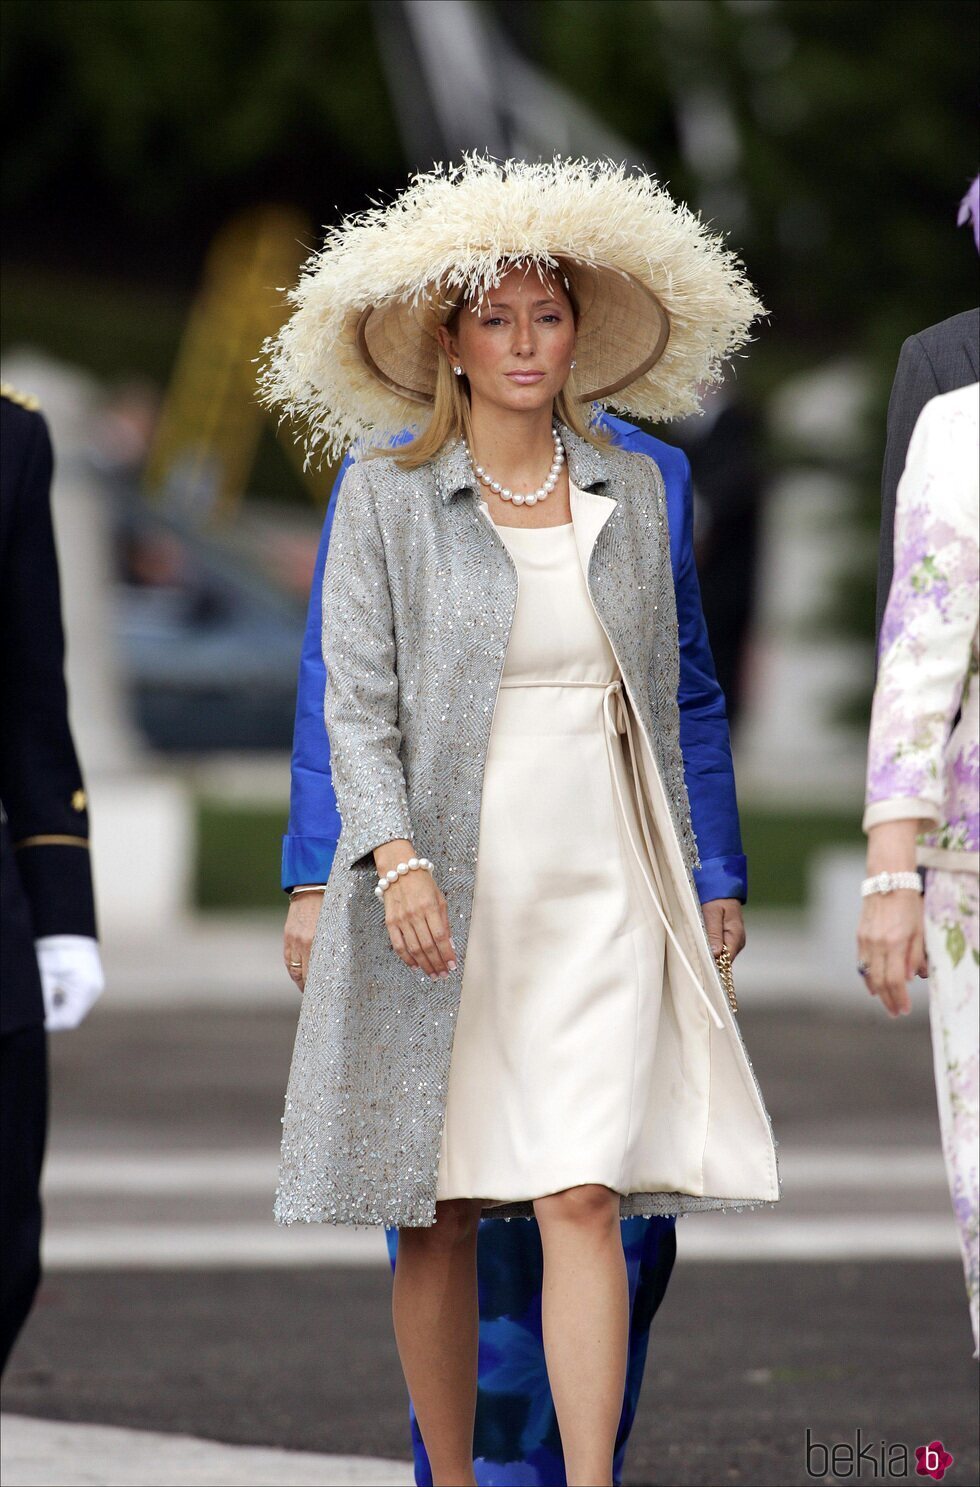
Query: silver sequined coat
418, 599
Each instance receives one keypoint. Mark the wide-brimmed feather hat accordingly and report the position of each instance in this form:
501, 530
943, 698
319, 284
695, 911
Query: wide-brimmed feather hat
662, 302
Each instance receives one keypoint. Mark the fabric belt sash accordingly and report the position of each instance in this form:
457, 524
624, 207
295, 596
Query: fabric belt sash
617, 715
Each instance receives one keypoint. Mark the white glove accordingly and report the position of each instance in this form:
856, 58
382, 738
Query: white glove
71, 978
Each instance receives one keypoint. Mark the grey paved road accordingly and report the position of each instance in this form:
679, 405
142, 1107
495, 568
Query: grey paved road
744, 1356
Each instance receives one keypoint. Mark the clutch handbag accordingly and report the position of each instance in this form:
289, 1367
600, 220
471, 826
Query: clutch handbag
723, 960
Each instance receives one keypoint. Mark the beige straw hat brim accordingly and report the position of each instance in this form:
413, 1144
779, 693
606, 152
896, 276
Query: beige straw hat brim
663, 303
622, 331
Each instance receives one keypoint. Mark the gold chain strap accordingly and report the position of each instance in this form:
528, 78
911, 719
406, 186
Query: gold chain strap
723, 960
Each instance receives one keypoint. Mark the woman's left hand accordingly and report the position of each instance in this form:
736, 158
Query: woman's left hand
725, 925
891, 938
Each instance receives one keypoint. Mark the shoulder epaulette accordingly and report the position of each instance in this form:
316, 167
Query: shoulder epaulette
22, 399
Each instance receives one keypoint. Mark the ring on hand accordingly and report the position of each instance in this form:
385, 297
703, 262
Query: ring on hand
863, 966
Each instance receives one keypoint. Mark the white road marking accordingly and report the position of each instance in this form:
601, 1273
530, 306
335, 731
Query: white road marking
774, 1237
54, 1453
149, 1246
211, 1173
224, 1173
122, 1242
727, 1237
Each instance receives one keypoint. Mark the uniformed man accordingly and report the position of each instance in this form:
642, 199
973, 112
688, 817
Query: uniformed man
50, 969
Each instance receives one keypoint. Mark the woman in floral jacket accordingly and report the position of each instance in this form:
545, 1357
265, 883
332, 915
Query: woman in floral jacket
922, 782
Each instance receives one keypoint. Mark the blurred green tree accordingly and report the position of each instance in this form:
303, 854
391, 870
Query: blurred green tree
132, 131
832, 139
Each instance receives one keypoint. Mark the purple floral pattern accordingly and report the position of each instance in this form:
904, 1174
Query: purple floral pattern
929, 650
952, 931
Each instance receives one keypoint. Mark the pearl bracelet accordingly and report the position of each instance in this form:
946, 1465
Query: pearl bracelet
886, 882
388, 878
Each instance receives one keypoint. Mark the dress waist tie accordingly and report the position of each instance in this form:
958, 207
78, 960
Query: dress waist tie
616, 713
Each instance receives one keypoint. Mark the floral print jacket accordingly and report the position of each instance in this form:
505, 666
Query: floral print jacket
928, 649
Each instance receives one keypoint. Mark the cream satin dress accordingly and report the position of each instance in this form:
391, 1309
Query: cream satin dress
552, 1062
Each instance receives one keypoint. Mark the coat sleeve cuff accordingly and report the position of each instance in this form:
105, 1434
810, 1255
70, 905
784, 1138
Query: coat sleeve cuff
722, 877
306, 859
357, 847
907, 808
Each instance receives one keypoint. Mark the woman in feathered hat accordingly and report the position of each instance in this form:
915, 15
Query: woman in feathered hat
512, 1005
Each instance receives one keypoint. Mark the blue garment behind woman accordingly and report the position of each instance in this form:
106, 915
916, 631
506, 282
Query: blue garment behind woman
516, 1441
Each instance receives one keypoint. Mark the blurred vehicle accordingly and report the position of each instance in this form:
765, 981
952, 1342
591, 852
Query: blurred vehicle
208, 636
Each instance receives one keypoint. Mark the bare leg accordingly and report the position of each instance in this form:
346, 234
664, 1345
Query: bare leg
585, 1324
435, 1310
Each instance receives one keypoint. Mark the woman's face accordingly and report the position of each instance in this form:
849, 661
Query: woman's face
516, 344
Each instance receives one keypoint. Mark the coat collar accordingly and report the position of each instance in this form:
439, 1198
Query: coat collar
588, 466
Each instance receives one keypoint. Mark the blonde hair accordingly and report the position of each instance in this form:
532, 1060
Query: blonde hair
450, 418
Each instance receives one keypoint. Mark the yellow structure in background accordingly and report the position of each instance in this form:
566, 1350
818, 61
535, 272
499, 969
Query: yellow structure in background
210, 424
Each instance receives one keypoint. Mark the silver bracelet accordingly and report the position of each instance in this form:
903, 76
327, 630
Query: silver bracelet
308, 888
386, 880
887, 882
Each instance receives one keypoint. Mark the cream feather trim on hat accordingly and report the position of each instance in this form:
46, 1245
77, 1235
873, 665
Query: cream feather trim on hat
454, 228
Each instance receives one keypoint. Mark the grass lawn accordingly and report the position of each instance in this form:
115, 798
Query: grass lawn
239, 852
240, 849
779, 845
111, 330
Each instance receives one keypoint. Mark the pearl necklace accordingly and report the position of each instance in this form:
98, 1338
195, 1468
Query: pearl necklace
533, 496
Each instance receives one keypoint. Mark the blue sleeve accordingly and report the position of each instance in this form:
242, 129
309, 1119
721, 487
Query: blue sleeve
705, 741
314, 822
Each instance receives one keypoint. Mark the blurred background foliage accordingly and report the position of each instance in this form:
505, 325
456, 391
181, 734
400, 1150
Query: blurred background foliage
234, 839
133, 131
149, 124
845, 138
830, 140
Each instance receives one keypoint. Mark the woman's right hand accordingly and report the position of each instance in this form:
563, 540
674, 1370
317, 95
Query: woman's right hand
416, 915
301, 919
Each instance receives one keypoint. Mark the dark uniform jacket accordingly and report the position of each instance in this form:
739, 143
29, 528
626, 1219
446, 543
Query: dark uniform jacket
45, 869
